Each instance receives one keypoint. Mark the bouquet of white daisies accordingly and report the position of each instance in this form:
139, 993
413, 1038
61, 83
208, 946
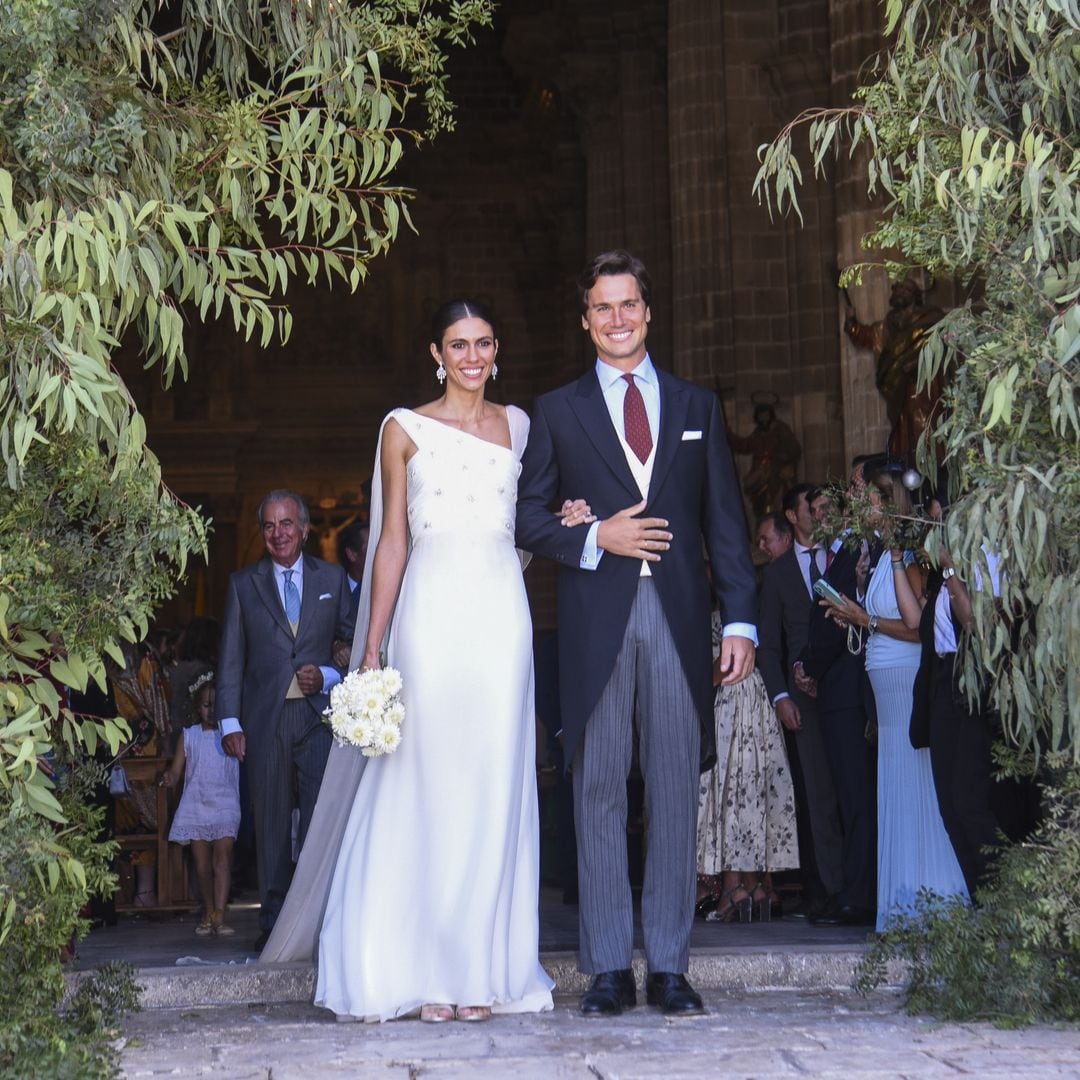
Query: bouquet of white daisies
366, 712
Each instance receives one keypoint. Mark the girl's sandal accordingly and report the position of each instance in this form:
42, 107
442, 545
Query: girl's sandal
471, 1014
436, 1014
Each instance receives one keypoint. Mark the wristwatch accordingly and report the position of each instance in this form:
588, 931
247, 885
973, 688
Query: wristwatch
948, 572
871, 626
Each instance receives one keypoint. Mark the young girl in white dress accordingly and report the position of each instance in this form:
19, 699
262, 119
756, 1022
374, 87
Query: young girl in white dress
208, 816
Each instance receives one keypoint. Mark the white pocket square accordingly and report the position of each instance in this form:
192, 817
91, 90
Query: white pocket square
327, 596
688, 436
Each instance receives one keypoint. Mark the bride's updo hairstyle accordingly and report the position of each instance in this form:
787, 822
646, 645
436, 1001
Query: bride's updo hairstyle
453, 311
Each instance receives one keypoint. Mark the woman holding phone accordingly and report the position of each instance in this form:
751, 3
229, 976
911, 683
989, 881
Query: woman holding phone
914, 852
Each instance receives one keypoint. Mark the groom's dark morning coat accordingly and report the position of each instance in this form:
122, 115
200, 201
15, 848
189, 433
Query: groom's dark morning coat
573, 452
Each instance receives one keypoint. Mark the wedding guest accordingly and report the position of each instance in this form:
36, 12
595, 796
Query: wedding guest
352, 545
208, 816
977, 808
746, 809
834, 672
774, 535
196, 650
787, 598
276, 669
914, 851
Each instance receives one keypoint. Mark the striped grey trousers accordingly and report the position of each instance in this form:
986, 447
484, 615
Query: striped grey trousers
647, 685
290, 753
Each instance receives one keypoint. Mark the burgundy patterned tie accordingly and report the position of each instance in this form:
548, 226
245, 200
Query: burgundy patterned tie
636, 421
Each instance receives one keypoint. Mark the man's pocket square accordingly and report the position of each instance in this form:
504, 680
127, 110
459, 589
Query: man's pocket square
327, 596
687, 436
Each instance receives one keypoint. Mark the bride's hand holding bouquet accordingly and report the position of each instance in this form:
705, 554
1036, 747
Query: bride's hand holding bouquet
366, 710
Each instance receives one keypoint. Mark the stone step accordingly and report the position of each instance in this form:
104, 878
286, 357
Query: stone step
787, 967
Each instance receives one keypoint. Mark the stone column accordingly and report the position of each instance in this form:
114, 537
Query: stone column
615, 80
856, 34
701, 256
754, 298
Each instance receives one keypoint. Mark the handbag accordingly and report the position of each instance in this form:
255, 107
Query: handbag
119, 785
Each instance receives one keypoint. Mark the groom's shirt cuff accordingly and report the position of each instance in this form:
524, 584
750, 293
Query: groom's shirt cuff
741, 629
330, 678
230, 726
591, 554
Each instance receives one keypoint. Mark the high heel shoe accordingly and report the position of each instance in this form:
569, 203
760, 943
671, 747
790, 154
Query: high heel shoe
733, 910
762, 904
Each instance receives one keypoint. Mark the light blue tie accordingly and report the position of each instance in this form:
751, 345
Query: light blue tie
292, 599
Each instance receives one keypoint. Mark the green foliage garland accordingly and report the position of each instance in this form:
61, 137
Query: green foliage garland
159, 162
968, 125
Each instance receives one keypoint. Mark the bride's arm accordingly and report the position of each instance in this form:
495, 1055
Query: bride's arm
392, 550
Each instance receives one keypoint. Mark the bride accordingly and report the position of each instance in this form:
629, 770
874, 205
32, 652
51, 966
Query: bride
421, 881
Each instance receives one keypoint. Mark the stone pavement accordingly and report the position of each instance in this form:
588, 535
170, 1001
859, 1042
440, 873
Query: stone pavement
768, 1034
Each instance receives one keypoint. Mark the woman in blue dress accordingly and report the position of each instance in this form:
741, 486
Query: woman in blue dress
914, 851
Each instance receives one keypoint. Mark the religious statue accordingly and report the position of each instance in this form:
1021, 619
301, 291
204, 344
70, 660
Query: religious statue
896, 342
774, 456
328, 521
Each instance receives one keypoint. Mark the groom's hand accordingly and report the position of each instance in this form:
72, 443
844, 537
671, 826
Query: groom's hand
736, 659
635, 537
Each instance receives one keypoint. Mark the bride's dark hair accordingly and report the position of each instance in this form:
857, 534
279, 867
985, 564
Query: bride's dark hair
452, 311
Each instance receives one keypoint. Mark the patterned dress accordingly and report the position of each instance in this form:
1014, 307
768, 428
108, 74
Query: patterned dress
746, 809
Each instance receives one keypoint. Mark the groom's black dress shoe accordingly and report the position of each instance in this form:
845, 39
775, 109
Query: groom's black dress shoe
674, 995
609, 993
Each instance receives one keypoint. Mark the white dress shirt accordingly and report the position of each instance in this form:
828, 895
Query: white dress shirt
614, 387
944, 632
802, 553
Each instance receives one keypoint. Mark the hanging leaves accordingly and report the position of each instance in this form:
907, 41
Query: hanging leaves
970, 124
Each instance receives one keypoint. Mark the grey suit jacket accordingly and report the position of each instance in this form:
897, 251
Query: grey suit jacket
259, 654
783, 618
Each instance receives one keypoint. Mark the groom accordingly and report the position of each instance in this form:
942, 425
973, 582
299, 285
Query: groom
649, 454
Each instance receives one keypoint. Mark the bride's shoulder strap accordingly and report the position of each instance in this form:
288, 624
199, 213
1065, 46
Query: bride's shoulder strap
412, 423
518, 419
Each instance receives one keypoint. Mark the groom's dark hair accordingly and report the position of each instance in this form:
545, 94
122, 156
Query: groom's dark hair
611, 263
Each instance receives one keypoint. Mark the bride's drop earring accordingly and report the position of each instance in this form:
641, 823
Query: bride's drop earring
494, 370
440, 374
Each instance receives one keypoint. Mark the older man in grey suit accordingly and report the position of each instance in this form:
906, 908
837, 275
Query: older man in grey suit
275, 671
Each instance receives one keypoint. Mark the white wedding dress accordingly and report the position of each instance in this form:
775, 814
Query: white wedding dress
433, 894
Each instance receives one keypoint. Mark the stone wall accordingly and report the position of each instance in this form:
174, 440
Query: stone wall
582, 125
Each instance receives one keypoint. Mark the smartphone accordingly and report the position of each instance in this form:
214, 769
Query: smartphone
827, 592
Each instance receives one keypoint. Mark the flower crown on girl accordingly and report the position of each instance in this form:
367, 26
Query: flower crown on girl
204, 678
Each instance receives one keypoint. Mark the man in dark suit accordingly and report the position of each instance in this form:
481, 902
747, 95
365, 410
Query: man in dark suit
649, 453
845, 707
275, 671
351, 552
787, 599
